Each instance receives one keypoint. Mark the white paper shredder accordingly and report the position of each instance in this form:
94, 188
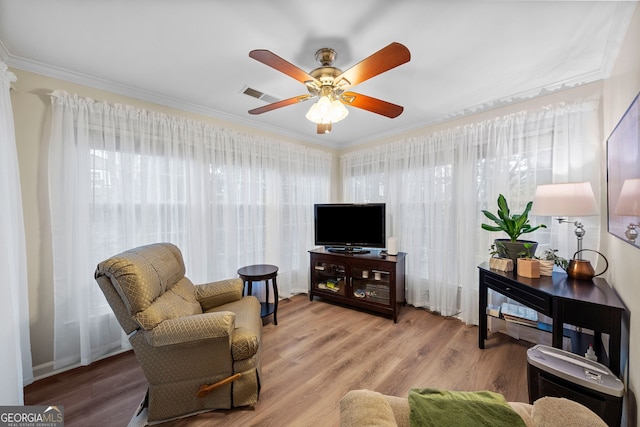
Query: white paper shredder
559, 373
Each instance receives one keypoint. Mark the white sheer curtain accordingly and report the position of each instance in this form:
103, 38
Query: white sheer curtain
436, 185
15, 351
121, 177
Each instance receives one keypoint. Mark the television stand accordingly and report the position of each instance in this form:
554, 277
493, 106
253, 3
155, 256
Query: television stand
366, 281
348, 250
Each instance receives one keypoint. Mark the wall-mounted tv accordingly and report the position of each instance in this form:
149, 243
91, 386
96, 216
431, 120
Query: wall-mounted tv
349, 227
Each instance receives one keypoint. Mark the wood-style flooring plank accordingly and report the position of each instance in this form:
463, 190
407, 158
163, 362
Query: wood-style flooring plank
316, 353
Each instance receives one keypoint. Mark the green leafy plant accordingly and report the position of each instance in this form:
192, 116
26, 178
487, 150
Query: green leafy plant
497, 249
527, 251
513, 224
550, 255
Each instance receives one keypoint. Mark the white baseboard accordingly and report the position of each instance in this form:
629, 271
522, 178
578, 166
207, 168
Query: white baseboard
45, 370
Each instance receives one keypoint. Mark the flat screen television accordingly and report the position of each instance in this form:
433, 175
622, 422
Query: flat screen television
349, 227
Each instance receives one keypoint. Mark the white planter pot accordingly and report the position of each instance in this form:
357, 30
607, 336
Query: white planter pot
546, 267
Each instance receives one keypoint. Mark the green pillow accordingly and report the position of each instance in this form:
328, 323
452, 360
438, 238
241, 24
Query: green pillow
439, 408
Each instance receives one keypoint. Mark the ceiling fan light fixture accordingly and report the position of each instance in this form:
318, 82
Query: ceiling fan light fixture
327, 110
339, 110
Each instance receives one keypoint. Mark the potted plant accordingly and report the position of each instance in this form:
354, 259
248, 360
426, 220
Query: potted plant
514, 225
548, 259
528, 265
497, 262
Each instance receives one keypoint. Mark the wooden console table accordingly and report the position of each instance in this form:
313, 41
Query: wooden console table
590, 304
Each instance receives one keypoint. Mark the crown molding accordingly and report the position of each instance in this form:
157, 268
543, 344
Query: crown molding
70, 76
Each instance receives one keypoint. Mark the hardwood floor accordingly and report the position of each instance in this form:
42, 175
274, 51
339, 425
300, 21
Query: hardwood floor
104, 393
316, 353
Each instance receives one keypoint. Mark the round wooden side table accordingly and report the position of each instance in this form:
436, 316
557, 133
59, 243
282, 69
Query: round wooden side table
258, 273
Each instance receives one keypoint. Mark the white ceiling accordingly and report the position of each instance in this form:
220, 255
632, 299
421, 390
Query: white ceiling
466, 56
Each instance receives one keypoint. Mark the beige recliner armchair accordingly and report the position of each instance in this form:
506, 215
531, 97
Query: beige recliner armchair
191, 341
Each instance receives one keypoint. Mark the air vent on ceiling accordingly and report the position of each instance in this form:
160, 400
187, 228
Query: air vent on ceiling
260, 95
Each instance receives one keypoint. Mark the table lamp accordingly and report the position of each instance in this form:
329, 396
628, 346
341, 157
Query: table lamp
629, 205
572, 199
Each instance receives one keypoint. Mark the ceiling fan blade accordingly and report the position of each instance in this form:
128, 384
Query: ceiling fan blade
374, 105
274, 61
279, 104
383, 60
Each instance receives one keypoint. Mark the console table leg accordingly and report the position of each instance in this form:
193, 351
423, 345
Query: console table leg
557, 329
482, 313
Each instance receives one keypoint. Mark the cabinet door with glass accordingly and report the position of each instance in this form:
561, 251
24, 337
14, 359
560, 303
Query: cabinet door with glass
371, 285
329, 278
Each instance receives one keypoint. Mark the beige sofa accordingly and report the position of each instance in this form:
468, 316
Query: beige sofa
198, 345
360, 408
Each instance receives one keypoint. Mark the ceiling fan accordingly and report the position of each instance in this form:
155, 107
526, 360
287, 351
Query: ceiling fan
329, 84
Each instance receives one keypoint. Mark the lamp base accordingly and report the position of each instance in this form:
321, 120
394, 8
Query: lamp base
632, 233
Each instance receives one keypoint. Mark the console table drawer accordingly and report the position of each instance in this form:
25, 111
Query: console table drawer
539, 302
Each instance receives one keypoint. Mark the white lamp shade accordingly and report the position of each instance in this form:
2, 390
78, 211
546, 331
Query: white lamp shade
573, 199
629, 200
339, 111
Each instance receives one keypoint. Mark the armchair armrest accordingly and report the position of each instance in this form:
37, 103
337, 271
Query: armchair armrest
213, 294
188, 329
